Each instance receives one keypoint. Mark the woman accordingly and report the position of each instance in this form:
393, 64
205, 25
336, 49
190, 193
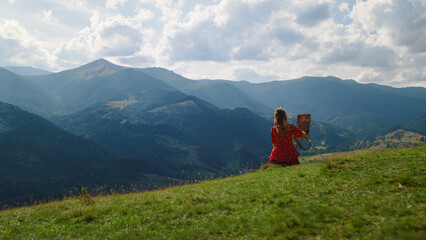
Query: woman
284, 152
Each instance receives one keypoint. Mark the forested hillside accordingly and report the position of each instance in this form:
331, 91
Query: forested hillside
41, 161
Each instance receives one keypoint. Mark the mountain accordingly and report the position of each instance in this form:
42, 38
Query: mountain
60, 83
16, 90
331, 100
169, 77
219, 93
183, 133
414, 92
101, 81
238, 138
225, 95
417, 125
328, 97
162, 146
39, 160
124, 84
360, 108
26, 71
125, 109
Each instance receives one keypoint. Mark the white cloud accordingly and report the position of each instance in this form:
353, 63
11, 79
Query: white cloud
344, 7
79, 2
217, 32
397, 23
143, 15
113, 36
19, 47
71, 5
170, 9
112, 4
47, 15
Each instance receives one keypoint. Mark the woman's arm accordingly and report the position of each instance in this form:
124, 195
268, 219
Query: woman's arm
272, 137
297, 132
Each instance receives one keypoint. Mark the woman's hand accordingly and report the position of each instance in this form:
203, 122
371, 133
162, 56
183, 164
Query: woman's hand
304, 135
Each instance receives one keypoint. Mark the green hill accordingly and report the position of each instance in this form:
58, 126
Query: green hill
372, 196
39, 160
418, 125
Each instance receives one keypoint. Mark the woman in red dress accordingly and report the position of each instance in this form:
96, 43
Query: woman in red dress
284, 152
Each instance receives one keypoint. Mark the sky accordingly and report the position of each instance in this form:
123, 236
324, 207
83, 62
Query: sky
374, 41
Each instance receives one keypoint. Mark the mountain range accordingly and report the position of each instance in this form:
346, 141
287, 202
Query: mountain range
26, 71
147, 125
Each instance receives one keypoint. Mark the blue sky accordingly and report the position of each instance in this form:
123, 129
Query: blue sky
380, 41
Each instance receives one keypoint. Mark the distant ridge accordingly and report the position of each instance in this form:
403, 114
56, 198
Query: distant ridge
26, 71
18, 90
360, 108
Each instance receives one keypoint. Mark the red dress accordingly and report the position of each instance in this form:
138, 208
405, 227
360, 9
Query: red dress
284, 150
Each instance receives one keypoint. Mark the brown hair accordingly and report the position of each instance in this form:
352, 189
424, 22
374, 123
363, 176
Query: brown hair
280, 121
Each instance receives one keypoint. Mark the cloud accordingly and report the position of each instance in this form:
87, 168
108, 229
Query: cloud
108, 36
399, 78
20, 48
47, 14
79, 2
360, 54
170, 9
228, 30
398, 23
135, 60
203, 42
287, 35
344, 7
251, 52
370, 41
112, 4
120, 41
311, 16
70, 5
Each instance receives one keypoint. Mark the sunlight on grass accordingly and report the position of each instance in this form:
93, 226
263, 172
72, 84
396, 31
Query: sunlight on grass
373, 196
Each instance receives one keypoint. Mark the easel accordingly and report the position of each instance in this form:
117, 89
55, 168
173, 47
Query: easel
304, 124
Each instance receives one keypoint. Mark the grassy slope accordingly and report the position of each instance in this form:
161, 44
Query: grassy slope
396, 139
373, 196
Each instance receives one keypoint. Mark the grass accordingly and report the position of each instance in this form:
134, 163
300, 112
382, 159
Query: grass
368, 196
396, 139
